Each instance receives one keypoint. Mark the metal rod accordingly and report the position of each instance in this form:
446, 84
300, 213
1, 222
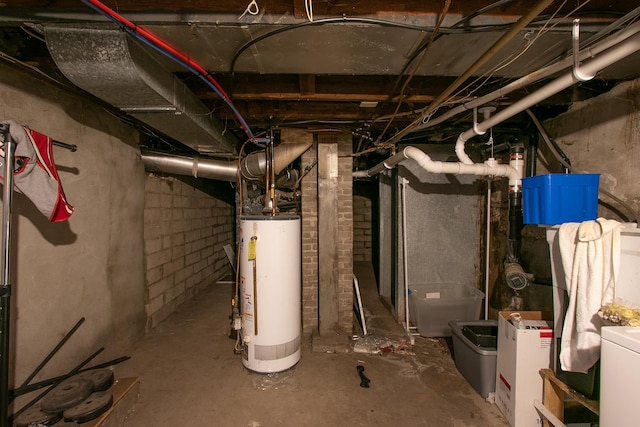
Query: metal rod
41, 395
40, 384
5, 285
53, 352
72, 147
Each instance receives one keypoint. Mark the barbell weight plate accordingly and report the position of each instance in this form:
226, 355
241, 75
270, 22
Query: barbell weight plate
89, 409
102, 378
36, 416
68, 393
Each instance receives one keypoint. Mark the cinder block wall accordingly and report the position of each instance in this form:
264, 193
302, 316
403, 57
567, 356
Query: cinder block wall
184, 233
362, 239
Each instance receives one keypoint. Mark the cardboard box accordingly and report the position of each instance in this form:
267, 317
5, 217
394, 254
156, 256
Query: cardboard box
521, 355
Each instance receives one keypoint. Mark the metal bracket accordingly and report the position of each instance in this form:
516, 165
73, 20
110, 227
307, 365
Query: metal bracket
577, 73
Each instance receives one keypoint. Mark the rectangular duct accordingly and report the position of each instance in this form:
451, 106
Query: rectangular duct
112, 66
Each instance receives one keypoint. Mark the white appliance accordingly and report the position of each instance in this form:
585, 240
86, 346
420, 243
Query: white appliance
627, 285
270, 292
619, 376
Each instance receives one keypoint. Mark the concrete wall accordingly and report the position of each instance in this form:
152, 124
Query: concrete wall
91, 266
136, 247
602, 135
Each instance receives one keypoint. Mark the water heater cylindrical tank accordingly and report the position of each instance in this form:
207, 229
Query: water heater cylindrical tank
270, 292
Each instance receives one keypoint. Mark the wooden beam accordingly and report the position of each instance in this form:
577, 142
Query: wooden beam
328, 304
325, 97
299, 10
307, 84
327, 8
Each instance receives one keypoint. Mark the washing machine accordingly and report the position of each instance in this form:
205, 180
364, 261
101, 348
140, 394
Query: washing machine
619, 376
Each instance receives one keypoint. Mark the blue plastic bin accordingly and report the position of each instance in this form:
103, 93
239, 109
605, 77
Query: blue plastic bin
558, 198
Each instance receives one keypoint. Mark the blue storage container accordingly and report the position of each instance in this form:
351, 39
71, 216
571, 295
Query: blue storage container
558, 198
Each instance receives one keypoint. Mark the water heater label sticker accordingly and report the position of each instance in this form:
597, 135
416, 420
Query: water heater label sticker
247, 305
252, 249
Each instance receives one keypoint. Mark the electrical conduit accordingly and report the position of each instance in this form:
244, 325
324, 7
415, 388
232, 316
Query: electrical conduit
593, 66
499, 44
533, 77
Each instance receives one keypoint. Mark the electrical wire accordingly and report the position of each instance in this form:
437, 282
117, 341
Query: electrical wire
13, 60
252, 9
431, 108
369, 21
434, 34
163, 47
308, 7
31, 33
493, 49
508, 61
461, 22
307, 169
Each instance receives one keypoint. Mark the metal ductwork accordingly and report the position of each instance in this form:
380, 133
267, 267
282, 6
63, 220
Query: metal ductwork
252, 167
192, 166
119, 70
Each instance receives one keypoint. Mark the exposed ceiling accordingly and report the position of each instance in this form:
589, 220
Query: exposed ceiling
310, 63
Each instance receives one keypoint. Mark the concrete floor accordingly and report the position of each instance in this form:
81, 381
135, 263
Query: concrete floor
190, 376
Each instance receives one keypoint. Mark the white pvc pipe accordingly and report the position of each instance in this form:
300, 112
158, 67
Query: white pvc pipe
405, 263
586, 53
487, 253
595, 65
489, 168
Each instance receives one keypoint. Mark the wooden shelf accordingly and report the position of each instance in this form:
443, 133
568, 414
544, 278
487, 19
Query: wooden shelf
554, 394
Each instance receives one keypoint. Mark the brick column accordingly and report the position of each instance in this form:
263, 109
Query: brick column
309, 190
345, 232
343, 220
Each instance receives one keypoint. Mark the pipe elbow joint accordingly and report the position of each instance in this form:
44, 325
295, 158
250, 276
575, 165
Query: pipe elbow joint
459, 149
516, 277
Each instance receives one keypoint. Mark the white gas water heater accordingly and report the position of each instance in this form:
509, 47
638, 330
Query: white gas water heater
270, 292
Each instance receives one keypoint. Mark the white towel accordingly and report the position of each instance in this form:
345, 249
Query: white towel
590, 254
